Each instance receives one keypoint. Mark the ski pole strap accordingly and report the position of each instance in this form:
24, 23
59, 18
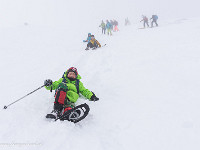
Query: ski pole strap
77, 85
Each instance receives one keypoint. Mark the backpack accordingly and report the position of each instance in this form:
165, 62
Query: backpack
155, 17
108, 25
145, 18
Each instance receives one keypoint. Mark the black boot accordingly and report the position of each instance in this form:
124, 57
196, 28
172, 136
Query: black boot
56, 112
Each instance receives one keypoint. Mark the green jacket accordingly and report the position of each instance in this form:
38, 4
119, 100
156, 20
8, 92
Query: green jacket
71, 93
103, 25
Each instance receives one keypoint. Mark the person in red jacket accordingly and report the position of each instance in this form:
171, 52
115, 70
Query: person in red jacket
145, 20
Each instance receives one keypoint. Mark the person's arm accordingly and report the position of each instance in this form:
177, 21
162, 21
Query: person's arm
87, 93
86, 40
54, 85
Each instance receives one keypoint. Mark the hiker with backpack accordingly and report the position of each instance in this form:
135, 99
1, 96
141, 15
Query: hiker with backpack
145, 20
67, 92
108, 27
93, 43
115, 25
103, 27
154, 20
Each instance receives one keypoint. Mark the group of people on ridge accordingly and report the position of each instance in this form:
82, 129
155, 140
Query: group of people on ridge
145, 20
110, 26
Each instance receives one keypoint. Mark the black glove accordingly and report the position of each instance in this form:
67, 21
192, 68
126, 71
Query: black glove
94, 98
48, 82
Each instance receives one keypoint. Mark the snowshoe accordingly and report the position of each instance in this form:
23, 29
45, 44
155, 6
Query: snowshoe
87, 48
76, 114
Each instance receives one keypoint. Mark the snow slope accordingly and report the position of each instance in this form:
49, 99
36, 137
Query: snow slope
147, 82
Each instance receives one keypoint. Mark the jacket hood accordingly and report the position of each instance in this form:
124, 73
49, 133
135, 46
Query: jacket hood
78, 76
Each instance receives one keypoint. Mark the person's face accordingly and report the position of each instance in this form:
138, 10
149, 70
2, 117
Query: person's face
71, 75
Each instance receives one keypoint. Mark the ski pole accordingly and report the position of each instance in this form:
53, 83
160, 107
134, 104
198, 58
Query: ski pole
5, 107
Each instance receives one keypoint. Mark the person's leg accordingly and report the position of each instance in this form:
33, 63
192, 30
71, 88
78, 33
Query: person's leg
156, 23
60, 97
68, 105
95, 45
89, 45
87, 48
147, 23
57, 107
58, 104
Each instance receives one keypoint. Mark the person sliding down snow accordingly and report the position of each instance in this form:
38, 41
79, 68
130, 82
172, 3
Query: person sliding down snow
67, 92
88, 38
93, 43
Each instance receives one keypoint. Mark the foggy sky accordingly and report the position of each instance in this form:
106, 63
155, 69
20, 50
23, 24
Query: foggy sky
17, 11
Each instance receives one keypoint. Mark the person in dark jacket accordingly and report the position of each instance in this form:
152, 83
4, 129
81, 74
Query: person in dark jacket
112, 25
115, 25
154, 20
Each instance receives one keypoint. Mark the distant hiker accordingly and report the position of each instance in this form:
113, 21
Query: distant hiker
88, 38
112, 25
103, 27
127, 22
115, 25
108, 27
145, 20
93, 43
154, 20
67, 90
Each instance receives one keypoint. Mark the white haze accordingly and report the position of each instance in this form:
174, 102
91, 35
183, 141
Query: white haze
147, 80
54, 12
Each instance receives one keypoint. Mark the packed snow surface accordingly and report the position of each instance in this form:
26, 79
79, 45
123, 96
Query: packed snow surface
147, 81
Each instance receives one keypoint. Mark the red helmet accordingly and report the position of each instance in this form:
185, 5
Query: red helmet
72, 69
